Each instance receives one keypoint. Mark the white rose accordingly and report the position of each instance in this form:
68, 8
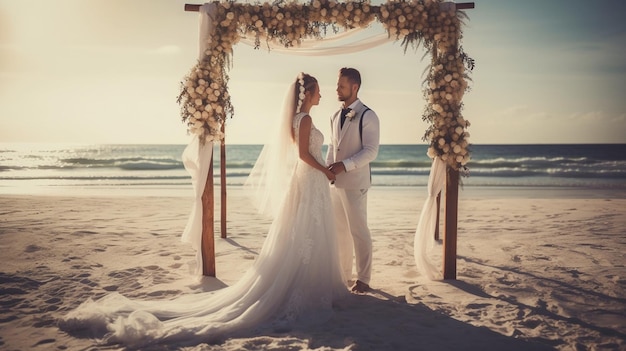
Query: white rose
459, 130
198, 102
431, 152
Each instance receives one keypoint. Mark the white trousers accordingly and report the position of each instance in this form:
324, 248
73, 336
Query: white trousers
353, 236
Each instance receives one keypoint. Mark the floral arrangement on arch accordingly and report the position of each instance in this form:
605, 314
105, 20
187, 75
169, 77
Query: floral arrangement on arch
434, 24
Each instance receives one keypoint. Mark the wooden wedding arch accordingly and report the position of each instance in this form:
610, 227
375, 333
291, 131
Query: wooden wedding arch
434, 24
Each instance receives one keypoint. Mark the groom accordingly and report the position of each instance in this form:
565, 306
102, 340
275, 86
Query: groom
353, 145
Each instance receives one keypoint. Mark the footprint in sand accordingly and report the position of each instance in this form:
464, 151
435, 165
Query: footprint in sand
33, 248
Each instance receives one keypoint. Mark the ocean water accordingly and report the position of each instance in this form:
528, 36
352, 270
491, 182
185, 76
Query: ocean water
35, 167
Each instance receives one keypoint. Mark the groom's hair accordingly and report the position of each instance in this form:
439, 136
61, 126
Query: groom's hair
352, 74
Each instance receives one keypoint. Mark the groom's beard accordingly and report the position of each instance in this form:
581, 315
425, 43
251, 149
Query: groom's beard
345, 98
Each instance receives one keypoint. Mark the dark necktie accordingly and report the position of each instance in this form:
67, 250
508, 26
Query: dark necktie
344, 112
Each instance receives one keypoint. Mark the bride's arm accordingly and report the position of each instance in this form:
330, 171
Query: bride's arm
303, 148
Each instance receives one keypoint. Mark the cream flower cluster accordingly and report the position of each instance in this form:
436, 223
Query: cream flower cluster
204, 99
424, 21
290, 22
447, 133
205, 102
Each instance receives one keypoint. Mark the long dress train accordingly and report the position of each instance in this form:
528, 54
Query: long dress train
294, 281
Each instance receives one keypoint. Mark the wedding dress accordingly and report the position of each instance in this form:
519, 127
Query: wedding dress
293, 282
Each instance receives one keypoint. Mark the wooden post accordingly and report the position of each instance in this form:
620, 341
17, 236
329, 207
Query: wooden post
437, 220
208, 242
223, 182
451, 217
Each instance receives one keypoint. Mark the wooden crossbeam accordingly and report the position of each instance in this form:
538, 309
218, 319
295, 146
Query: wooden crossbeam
459, 6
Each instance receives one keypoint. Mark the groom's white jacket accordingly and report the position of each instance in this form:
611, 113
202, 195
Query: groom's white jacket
356, 150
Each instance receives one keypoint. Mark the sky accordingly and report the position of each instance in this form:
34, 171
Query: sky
109, 71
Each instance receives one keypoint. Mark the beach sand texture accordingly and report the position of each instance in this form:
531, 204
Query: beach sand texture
533, 273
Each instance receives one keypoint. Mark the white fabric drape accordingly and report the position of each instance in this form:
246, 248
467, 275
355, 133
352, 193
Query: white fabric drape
335, 45
207, 22
425, 232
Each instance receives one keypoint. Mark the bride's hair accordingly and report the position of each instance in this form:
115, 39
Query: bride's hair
307, 82
304, 83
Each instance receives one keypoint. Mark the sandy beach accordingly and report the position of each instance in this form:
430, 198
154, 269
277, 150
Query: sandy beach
537, 270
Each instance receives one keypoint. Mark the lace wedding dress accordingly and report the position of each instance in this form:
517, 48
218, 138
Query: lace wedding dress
293, 282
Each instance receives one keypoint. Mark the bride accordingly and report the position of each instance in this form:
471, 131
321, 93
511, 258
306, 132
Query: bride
293, 282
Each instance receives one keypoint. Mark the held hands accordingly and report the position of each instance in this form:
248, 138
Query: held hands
334, 169
331, 176
337, 167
